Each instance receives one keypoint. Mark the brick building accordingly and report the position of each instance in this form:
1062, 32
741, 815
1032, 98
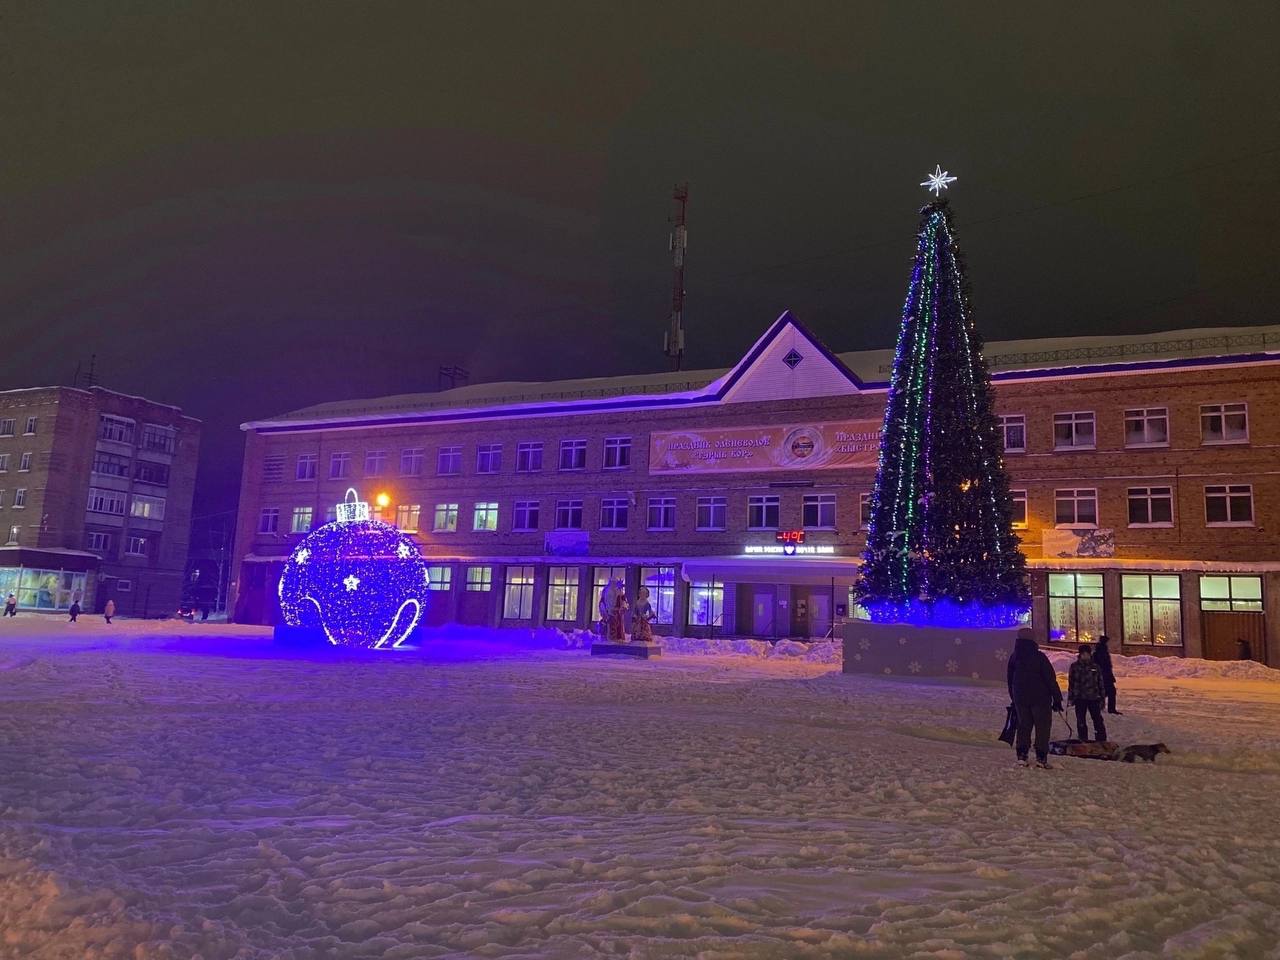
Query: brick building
1145, 470
95, 499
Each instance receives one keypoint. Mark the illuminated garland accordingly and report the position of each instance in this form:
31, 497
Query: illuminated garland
359, 580
941, 548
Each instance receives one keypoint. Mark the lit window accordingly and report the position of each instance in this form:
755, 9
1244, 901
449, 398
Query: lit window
662, 513
661, 582
1239, 594
529, 457
1013, 430
1224, 423
269, 520
820, 511
375, 463
489, 458
762, 513
479, 579
1150, 506
706, 603
1146, 427
301, 520
617, 453
1075, 508
440, 578
446, 519
411, 461
517, 594
525, 515
486, 516
339, 465
573, 454
562, 593
1073, 431
613, 513
305, 469
1018, 507
1229, 505
1075, 607
407, 515
711, 513
1152, 609
13, 533
568, 514
864, 511
148, 508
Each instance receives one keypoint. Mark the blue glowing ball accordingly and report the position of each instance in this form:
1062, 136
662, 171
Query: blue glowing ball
362, 582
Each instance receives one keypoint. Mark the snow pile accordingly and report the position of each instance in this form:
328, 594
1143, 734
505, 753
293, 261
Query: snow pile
1175, 668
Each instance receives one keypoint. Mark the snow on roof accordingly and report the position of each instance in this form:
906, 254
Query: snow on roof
868, 366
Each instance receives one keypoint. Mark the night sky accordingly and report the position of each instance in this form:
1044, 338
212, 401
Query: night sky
246, 208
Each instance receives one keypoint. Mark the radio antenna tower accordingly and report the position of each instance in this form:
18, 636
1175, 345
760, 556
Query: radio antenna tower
673, 340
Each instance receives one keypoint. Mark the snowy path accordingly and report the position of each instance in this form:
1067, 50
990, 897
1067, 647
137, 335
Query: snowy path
175, 799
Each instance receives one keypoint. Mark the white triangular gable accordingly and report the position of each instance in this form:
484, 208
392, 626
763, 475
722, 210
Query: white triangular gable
770, 377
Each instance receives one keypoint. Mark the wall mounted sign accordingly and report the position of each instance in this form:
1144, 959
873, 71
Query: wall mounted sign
791, 549
816, 446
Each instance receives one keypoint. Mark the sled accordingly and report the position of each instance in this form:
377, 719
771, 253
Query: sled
1090, 750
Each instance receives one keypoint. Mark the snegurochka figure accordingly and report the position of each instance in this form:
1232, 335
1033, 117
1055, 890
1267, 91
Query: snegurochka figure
641, 617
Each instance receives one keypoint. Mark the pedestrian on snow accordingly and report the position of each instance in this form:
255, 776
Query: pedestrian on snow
11, 606
1102, 657
74, 611
1036, 696
109, 611
1085, 690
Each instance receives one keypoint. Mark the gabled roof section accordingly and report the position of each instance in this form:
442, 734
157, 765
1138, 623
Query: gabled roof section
788, 362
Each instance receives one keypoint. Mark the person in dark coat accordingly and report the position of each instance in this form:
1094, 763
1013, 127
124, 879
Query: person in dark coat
1085, 691
1036, 696
11, 606
74, 611
1102, 657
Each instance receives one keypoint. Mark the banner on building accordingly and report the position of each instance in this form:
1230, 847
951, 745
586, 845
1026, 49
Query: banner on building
814, 446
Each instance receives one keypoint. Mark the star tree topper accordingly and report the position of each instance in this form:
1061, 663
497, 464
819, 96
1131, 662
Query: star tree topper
938, 180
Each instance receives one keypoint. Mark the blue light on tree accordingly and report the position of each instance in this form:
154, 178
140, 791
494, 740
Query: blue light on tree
359, 580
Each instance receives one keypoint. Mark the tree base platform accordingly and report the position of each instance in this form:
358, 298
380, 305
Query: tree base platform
641, 651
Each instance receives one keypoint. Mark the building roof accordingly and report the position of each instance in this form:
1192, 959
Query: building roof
863, 370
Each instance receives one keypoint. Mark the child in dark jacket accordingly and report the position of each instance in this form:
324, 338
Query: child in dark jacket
1085, 689
1036, 696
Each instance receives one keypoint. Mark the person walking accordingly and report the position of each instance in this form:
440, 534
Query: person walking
1102, 657
1036, 696
109, 611
1085, 691
11, 606
74, 610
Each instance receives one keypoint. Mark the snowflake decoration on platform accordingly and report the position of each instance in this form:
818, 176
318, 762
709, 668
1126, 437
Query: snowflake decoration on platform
952, 666
1002, 655
864, 643
914, 666
938, 180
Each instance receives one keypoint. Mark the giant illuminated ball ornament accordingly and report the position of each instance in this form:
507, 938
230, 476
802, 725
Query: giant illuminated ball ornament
359, 580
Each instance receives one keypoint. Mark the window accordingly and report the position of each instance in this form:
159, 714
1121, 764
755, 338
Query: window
1013, 428
156, 474
306, 466
110, 464
24, 463
1075, 508
562, 593
711, 513
99, 542
448, 461
1018, 507
1075, 607
613, 513
573, 454
411, 461
269, 520
159, 438
617, 453
124, 586
517, 594
13, 534
8, 427
20, 497
706, 603
106, 501
446, 519
1150, 506
1146, 427
1241, 594
1073, 431
568, 514
486, 516
135, 546
525, 515
4, 462
273, 468
820, 511
118, 429
600, 578
301, 520
864, 511
31, 426
529, 457
1229, 505
440, 578
148, 508
1152, 609
662, 513
1224, 423
661, 583
407, 515
762, 513
375, 463
479, 579
339, 465
489, 458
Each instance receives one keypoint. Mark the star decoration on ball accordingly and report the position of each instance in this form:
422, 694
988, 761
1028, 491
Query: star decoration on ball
938, 180
404, 551
302, 555
351, 582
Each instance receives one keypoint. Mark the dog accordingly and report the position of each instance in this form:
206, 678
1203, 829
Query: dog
1144, 751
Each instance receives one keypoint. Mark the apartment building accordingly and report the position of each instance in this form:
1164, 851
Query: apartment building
95, 499
1145, 469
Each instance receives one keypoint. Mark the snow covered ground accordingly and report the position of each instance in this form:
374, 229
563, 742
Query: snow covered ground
179, 791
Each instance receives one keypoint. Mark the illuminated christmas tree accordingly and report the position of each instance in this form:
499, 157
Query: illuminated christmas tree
941, 548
